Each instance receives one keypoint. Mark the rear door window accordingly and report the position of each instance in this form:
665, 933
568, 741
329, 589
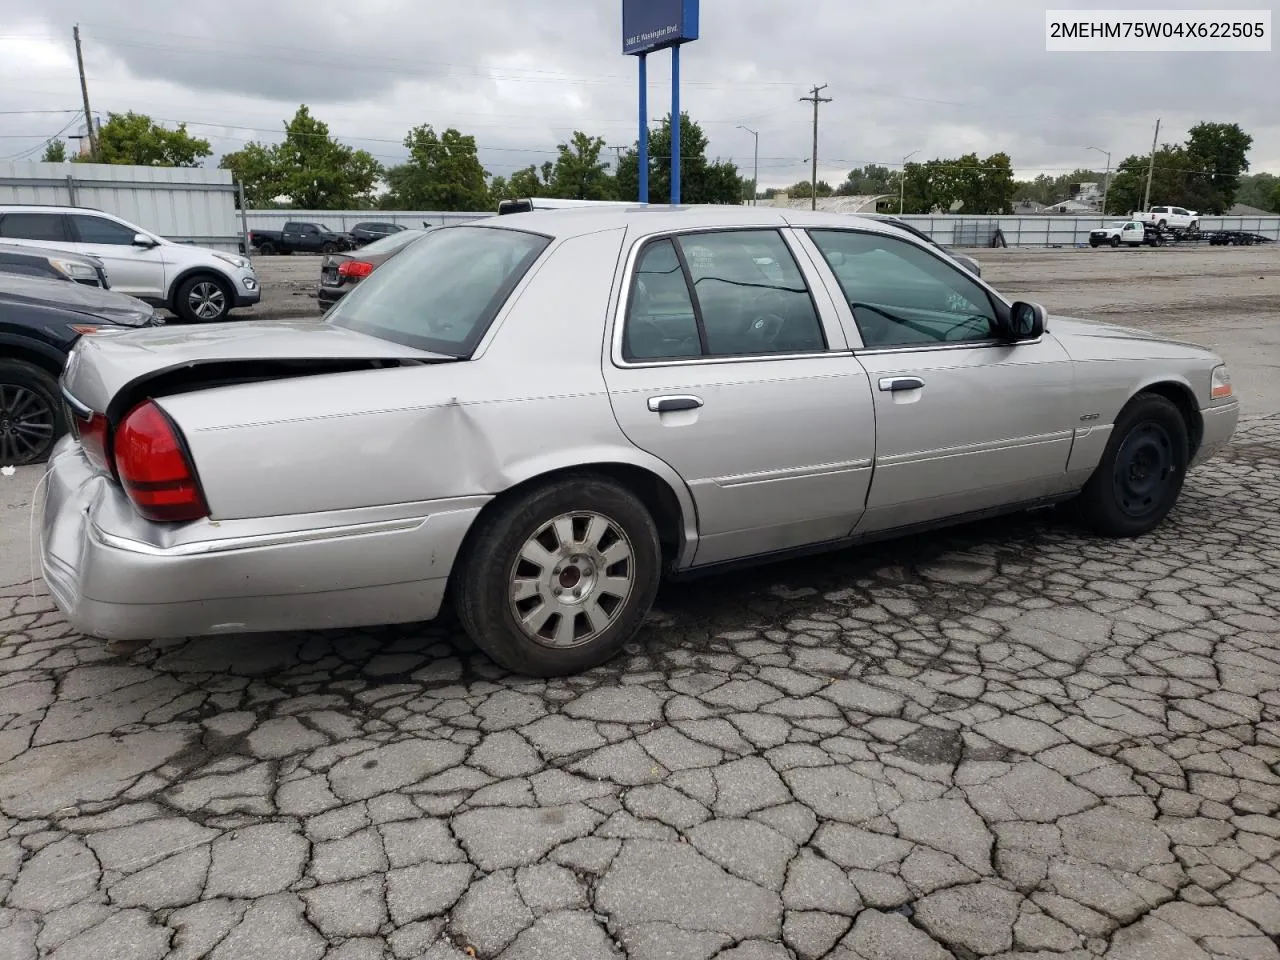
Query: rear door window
45, 227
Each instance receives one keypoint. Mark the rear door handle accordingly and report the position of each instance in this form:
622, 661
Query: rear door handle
894, 384
672, 404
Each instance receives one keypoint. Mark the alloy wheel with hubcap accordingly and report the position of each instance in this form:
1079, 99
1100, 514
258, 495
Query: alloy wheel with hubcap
571, 578
207, 300
556, 579
28, 425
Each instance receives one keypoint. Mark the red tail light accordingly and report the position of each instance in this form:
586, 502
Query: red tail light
93, 440
155, 468
355, 269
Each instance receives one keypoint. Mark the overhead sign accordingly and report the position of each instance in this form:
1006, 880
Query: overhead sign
649, 25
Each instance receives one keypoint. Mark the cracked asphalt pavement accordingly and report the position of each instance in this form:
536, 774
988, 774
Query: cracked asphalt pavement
1009, 741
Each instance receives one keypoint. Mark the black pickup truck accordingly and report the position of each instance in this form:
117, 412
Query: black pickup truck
302, 237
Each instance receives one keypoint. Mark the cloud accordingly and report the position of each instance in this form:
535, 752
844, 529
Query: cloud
906, 75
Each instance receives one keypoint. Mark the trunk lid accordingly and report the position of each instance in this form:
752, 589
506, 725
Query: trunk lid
104, 372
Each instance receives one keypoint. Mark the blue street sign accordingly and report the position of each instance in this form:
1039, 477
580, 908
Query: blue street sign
649, 25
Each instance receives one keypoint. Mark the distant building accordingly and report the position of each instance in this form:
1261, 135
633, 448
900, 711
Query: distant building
1244, 210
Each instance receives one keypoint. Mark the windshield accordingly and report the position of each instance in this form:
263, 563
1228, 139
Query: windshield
393, 242
442, 293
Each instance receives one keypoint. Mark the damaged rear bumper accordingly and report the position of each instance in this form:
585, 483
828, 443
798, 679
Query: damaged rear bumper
119, 577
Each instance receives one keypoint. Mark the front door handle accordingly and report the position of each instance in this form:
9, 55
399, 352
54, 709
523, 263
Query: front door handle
672, 404
894, 384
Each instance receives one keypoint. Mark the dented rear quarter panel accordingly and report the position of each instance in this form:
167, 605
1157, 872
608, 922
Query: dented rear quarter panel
532, 400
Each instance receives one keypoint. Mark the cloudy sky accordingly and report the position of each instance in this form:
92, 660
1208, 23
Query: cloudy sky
934, 76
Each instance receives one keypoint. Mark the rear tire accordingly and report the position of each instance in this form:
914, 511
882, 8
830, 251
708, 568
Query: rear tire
203, 299
32, 418
1140, 476
595, 568
267, 249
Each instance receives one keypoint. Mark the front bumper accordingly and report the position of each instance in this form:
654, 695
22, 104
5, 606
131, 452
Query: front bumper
1220, 422
119, 577
248, 289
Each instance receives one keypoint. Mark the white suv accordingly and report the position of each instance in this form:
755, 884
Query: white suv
196, 283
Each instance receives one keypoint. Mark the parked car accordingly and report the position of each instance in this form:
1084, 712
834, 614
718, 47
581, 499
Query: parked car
53, 265
364, 233
1132, 233
340, 272
300, 237
542, 414
1172, 218
196, 283
964, 260
40, 320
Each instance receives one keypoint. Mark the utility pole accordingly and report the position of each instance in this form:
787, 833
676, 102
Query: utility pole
84, 93
1151, 167
1106, 182
902, 180
617, 152
755, 169
815, 98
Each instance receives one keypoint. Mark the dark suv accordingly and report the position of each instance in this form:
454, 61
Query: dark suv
40, 321
368, 232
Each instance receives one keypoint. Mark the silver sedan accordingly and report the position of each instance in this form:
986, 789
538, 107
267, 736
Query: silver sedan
539, 416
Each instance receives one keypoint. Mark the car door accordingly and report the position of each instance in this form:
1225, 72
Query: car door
1133, 232
730, 366
134, 269
46, 231
964, 421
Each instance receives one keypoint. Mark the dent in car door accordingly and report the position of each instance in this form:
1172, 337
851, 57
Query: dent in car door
736, 388
963, 422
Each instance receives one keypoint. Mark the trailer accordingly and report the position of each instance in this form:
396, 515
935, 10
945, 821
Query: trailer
1233, 238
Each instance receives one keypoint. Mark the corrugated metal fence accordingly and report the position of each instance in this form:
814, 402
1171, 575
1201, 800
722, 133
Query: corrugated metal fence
186, 204
197, 205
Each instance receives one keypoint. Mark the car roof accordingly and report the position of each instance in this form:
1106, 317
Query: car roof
45, 208
662, 218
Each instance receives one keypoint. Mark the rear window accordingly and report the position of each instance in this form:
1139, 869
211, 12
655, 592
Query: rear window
34, 226
393, 242
442, 293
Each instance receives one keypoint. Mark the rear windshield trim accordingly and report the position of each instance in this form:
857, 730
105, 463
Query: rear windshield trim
458, 350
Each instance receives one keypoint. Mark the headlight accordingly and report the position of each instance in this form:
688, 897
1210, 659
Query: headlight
239, 263
74, 270
1220, 383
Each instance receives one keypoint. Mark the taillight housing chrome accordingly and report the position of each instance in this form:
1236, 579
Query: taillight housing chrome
355, 269
155, 468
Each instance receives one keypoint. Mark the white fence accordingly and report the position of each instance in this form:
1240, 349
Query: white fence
1056, 231
189, 205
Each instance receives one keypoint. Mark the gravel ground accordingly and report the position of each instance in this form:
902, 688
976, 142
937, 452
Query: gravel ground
1008, 741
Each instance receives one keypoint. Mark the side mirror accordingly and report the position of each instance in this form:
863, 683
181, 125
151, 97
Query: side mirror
1026, 321
142, 240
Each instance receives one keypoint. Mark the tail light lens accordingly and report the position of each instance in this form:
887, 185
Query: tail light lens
93, 440
155, 468
355, 269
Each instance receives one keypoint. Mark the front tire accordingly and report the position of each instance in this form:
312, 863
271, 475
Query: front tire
1115, 241
556, 581
1140, 476
203, 299
32, 419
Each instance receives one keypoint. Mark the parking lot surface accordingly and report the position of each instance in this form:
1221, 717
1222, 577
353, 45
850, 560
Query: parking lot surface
1010, 740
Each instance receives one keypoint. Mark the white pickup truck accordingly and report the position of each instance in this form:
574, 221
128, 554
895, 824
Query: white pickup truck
1171, 218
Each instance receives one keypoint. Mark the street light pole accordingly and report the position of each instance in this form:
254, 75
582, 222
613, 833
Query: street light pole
1106, 182
902, 180
755, 170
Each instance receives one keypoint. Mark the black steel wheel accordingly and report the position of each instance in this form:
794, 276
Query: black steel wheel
1115, 241
31, 417
1140, 476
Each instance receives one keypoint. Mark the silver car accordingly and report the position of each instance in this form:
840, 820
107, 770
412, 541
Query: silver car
540, 415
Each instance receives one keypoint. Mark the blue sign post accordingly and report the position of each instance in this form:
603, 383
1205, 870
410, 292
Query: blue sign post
649, 25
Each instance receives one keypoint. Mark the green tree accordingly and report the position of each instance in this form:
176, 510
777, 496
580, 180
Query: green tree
499, 190
1047, 190
318, 172
803, 190
258, 169
1275, 198
530, 182
579, 174
443, 172
55, 151
701, 181
1168, 180
1256, 190
134, 138
870, 180
1217, 154
971, 185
